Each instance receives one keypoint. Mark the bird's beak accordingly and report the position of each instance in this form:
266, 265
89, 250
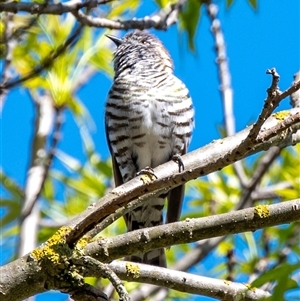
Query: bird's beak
116, 40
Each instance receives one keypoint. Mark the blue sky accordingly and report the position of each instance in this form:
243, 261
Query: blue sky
256, 41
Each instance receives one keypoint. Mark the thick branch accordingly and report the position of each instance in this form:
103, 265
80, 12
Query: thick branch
210, 158
185, 282
192, 257
51, 9
192, 230
160, 20
36, 174
16, 275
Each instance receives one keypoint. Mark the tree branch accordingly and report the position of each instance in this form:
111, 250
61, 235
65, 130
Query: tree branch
295, 97
192, 257
225, 83
223, 68
262, 168
192, 230
45, 265
50, 8
90, 264
210, 158
271, 103
185, 282
160, 20
46, 63
36, 174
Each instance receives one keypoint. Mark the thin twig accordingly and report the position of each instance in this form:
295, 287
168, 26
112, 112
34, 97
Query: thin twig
45, 64
279, 128
87, 292
270, 105
23, 29
295, 103
262, 168
106, 272
295, 97
113, 217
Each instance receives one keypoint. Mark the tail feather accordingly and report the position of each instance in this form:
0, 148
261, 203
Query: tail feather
154, 257
150, 214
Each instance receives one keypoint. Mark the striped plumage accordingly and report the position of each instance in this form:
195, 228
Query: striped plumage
149, 118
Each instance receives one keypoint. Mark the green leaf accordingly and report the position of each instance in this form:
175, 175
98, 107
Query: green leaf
253, 3
48, 189
10, 185
11, 210
189, 19
164, 3
229, 3
102, 60
282, 272
120, 7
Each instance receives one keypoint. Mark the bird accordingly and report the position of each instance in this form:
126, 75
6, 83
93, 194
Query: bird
149, 119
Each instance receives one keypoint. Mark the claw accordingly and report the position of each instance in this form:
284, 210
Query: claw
177, 158
147, 171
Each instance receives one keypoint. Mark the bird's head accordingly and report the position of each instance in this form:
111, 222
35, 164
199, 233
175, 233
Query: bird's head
139, 49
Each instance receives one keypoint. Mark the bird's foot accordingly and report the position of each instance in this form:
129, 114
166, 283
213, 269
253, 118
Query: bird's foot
147, 175
177, 159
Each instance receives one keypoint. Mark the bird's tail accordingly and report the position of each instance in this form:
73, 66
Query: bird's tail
155, 257
150, 214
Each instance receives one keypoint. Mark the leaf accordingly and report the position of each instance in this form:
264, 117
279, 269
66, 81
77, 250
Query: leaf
253, 3
229, 3
48, 189
10, 185
10, 211
189, 19
164, 3
102, 60
118, 8
282, 272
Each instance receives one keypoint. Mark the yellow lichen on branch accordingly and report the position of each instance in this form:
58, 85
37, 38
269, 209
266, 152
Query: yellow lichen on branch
80, 245
132, 270
262, 211
281, 115
55, 248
